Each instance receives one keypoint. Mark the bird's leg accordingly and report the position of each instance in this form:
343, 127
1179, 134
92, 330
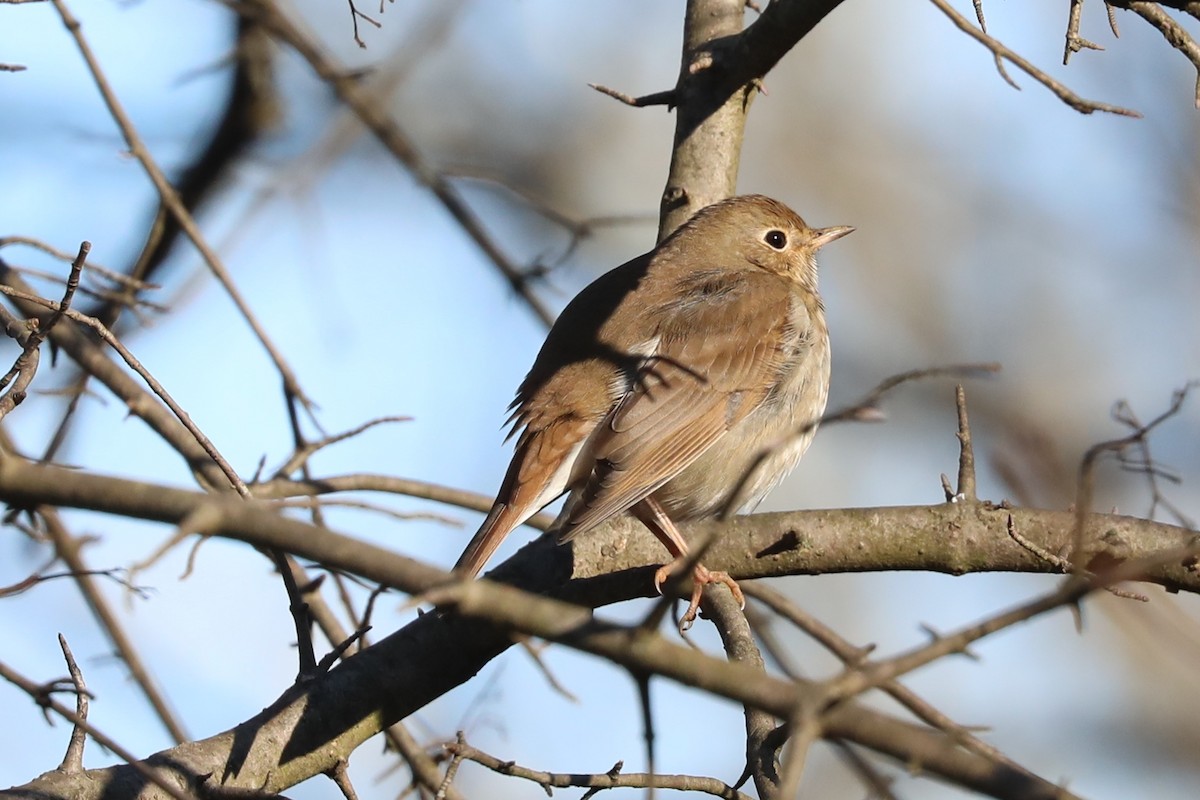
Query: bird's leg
653, 517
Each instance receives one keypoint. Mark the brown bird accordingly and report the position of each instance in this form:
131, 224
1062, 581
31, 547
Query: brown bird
664, 386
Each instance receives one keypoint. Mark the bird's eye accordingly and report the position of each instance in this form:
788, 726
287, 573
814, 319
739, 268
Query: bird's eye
776, 239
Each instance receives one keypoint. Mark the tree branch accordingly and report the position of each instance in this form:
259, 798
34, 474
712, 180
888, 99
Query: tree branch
389, 134
722, 69
324, 719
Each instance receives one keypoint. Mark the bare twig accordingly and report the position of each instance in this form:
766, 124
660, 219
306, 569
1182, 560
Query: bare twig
578, 229
422, 765
1075, 588
31, 338
375, 508
865, 410
1000, 51
171, 200
1075, 42
41, 695
40, 576
804, 729
1065, 565
90, 267
391, 136
1174, 33
999, 62
664, 98
24, 367
966, 456
1087, 465
737, 639
201, 522
73, 759
878, 784
306, 450
612, 779
355, 16
156, 387
1143, 462
340, 774
251, 107
534, 650
456, 761
365, 482
69, 549
854, 657
642, 679
1061, 564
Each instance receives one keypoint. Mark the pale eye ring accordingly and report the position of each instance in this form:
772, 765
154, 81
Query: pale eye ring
776, 239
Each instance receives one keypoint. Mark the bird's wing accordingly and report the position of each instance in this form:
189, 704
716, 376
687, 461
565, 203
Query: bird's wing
716, 360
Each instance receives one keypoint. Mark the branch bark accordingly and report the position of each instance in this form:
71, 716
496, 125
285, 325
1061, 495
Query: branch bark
320, 721
722, 68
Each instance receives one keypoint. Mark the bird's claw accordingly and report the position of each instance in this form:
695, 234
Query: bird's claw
701, 577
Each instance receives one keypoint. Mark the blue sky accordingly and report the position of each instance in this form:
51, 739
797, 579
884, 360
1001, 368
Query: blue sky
992, 225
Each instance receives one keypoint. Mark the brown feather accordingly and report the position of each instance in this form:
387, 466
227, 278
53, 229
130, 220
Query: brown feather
670, 378
688, 394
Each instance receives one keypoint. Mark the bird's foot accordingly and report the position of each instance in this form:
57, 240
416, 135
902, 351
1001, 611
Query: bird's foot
701, 577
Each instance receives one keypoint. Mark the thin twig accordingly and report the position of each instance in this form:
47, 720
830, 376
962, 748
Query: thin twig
306, 450
1075, 42
1062, 92
156, 387
577, 229
73, 759
355, 16
1172, 32
878, 784
91, 267
737, 639
664, 98
966, 455
534, 650
865, 410
174, 205
375, 508
804, 729
69, 549
1085, 486
116, 574
1145, 464
388, 132
612, 779
31, 340
1065, 566
999, 62
41, 696
366, 482
853, 657
1074, 589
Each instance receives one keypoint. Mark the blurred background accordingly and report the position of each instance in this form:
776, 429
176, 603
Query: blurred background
993, 224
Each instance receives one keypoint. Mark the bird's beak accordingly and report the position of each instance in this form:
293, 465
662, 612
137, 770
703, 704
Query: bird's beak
826, 235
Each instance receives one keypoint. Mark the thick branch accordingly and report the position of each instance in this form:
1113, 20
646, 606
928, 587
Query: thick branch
309, 728
721, 71
615, 562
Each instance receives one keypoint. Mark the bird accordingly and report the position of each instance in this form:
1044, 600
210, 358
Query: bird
674, 386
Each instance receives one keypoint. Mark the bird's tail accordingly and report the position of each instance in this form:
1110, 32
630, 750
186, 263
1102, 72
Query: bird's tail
499, 523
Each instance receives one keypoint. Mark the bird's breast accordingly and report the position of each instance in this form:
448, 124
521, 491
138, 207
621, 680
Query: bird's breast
758, 451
